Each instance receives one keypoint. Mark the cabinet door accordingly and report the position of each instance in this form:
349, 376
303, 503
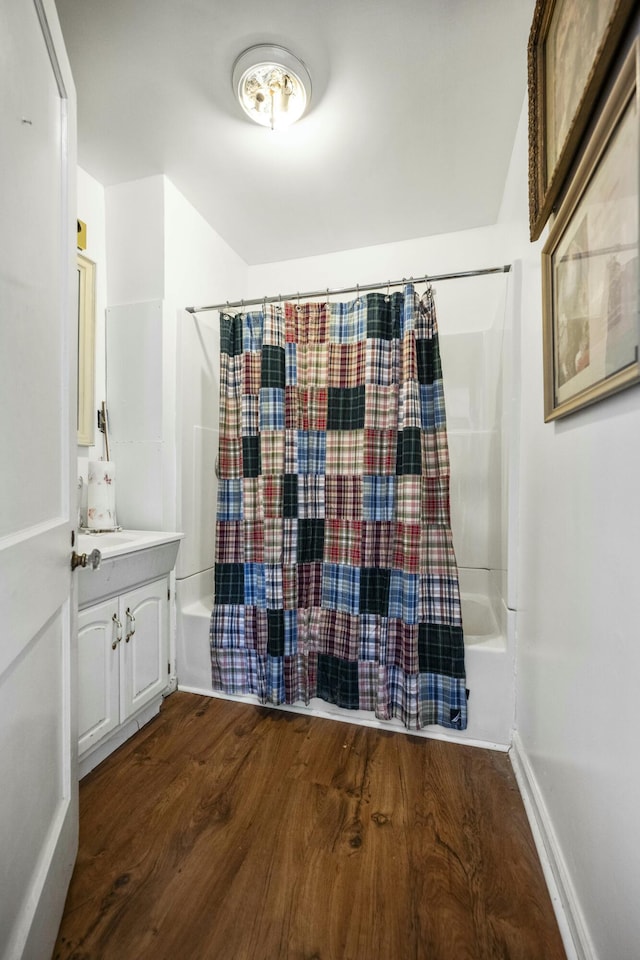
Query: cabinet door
98, 673
145, 645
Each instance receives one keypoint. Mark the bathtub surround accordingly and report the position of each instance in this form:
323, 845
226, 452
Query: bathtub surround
335, 571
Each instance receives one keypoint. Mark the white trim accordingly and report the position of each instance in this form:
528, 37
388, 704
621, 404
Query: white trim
573, 929
300, 708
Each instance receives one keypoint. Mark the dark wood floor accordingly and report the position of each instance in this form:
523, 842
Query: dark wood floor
239, 833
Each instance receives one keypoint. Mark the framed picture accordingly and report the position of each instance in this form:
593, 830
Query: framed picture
571, 46
86, 349
590, 263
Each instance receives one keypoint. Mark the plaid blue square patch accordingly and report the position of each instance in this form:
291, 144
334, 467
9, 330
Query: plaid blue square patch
227, 626
255, 594
271, 408
275, 679
291, 364
229, 671
273, 582
378, 498
403, 596
252, 326
370, 628
312, 451
230, 499
432, 412
347, 322
290, 632
442, 700
341, 587
250, 415
257, 675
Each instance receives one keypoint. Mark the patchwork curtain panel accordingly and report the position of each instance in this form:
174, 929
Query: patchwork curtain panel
335, 572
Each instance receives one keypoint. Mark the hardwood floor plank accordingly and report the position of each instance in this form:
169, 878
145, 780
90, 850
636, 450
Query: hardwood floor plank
235, 832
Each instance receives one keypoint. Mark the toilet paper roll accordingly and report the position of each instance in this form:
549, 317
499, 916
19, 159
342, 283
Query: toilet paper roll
101, 495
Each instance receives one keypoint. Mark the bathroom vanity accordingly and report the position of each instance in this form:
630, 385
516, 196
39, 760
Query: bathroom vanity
124, 625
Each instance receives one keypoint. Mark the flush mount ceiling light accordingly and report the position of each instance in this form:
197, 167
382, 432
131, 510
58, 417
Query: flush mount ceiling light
273, 86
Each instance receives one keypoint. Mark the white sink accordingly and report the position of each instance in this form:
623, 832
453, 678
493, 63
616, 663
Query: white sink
129, 558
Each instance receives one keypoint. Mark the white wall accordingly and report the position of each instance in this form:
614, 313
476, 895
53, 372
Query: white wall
135, 241
200, 268
163, 362
578, 658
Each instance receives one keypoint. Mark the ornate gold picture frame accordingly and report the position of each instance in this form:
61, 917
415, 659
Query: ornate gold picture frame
590, 276
572, 44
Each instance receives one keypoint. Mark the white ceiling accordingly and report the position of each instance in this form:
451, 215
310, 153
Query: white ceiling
414, 110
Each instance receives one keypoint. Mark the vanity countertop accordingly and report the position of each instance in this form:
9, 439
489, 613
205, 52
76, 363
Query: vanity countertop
128, 558
116, 542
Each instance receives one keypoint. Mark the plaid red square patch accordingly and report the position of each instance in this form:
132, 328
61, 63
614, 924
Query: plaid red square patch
230, 458
231, 418
312, 365
402, 645
253, 541
346, 364
313, 403
290, 587
406, 555
377, 543
272, 495
310, 584
435, 499
252, 366
409, 357
345, 452
272, 451
343, 498
380, 449
435, 453
343, 542
229, 541
381, 407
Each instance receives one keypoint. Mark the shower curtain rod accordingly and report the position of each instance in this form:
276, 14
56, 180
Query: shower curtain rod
359, 288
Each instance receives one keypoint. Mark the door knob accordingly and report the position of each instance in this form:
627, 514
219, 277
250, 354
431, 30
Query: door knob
92, 559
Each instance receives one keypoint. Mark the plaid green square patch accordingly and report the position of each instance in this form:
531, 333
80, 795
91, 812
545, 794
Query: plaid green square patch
346, 408
441, 649
428, 360
374, 591
383, 315
272, 370
251, 461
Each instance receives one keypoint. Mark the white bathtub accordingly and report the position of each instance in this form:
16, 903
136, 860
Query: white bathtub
487, 656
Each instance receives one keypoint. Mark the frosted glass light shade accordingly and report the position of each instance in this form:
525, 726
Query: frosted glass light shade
272, 86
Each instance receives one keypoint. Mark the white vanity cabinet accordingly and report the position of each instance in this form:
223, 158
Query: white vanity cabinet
124, 660
123, 655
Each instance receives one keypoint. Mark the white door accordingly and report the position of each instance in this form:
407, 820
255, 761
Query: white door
38, 791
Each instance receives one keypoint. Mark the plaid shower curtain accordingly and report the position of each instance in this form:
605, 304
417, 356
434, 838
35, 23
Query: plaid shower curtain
335, 573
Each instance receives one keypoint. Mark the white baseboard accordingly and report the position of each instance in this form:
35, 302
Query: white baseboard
344, 717
573, 930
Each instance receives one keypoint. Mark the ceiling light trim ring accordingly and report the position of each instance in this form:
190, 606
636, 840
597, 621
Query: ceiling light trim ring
272, 85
